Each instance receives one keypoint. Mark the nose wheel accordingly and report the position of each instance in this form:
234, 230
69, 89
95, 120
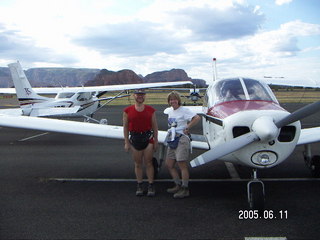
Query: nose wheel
256, 193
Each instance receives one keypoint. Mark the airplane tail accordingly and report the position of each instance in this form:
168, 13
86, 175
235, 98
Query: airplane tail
27, 97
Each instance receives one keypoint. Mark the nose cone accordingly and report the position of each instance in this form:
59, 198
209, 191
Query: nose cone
265, 128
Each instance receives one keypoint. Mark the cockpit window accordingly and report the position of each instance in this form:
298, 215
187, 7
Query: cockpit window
84, 96
256, 90
65, 95
240, 89
228, 90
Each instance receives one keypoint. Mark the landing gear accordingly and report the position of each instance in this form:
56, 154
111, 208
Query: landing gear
255, 189
157, 165
103, 121
312, 162
90, 118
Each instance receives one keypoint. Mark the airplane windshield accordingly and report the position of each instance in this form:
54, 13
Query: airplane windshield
241, 89
258, 91
229, 90
65, 95
84, 96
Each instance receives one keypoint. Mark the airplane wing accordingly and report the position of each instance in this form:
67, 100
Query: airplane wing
198, 141
112, 98
309, 135
11, 111
79, 128
120, 87
62, 126
309, 83
40, 112
196, 109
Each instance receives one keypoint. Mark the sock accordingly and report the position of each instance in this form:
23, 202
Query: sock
185, 183
177, 181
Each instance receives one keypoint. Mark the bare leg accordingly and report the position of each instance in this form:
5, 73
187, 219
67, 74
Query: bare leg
148, 155
138, 169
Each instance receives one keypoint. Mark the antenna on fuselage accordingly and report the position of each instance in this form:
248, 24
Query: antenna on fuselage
214, 68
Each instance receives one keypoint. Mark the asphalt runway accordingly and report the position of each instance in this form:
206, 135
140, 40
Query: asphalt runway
61, 186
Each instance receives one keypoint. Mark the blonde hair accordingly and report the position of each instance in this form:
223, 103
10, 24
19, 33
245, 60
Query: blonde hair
174, 95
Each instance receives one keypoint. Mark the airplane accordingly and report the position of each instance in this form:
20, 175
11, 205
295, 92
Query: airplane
68, 102
194, 93
243, 123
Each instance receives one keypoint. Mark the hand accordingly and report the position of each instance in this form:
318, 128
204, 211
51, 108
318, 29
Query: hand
186, 131
127, 146
155, 146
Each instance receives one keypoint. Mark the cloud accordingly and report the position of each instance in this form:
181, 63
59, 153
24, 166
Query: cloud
281, 2
177, 29
14, 46
135, 38
213, 24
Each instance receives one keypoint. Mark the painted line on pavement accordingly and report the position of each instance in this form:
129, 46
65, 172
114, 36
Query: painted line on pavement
170, 180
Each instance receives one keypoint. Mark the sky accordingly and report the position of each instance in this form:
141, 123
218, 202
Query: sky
249, 38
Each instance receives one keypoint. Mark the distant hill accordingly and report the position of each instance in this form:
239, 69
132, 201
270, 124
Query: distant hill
106, 77
72, 77
5, 77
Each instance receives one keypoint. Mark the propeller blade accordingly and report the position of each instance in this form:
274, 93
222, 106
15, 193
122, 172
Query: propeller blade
299, 114
224, 149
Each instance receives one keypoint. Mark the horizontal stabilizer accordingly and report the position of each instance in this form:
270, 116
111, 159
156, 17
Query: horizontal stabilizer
46, 112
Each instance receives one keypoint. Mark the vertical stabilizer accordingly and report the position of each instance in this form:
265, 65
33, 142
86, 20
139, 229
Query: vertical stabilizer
26, 95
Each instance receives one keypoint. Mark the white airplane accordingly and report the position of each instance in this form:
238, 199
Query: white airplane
69, 102
243, 123
194, 93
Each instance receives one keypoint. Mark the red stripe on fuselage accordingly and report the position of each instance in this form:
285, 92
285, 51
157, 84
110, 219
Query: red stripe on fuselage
226, 109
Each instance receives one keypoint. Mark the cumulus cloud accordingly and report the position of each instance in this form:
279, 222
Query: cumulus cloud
213, 24
135, 38
180, 27
14, 45
159, 35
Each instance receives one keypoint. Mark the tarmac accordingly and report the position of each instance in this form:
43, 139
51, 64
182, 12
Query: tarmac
61, 186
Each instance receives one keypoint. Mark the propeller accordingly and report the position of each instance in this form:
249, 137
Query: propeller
224, 149
299, 114
263, 129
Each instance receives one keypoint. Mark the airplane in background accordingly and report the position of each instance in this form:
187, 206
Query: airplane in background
194, 93
70, 101
243, 123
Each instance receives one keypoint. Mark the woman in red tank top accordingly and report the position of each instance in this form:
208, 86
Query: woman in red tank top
140, 125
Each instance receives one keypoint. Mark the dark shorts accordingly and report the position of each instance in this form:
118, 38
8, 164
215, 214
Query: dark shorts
140, 141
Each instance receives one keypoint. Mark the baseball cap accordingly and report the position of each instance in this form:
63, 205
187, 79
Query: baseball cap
139, 91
